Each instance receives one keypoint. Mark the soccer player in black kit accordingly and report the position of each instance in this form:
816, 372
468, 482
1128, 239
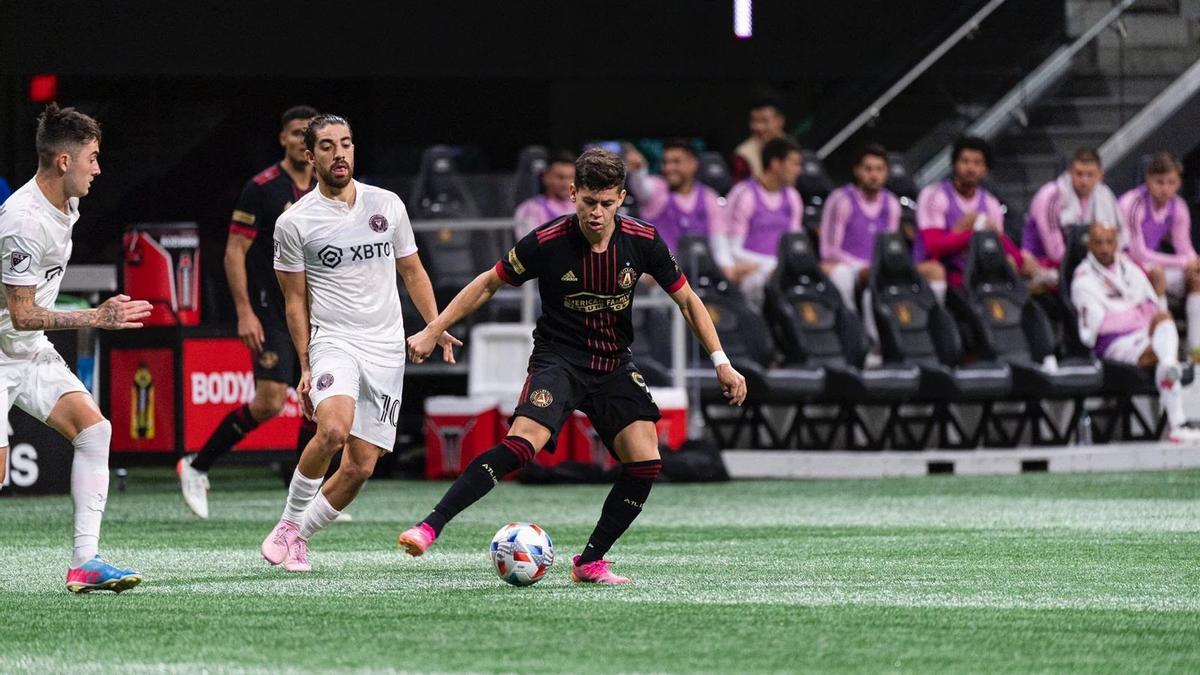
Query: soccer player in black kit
587, 266
249, 268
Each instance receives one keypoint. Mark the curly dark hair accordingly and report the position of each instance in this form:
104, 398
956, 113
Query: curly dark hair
599, 169
61, 128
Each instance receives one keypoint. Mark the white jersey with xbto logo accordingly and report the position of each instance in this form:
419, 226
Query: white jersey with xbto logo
348, 255
35, 244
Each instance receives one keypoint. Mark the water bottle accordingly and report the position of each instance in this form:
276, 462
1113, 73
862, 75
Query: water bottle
1083, 430
122, 475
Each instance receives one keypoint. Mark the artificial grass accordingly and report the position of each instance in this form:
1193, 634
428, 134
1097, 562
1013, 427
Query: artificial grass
966, 574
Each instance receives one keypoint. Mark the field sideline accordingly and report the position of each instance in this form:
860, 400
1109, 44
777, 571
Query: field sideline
1001, 574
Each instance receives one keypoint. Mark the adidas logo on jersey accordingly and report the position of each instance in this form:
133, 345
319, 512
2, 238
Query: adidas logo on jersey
569, 276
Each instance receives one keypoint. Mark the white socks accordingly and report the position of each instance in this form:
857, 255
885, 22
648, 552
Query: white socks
1164, 341
89, 488
1193, 321
844, 278
300, 494
1165, 344
319, 514
939, 291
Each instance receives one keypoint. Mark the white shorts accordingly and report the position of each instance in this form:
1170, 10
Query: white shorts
1129, 347
375, 389
35, 385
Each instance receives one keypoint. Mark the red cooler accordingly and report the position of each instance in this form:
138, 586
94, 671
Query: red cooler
457, 430
584, 443
672, 403
162, 266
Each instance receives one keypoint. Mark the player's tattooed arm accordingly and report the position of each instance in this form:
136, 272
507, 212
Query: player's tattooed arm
117, 313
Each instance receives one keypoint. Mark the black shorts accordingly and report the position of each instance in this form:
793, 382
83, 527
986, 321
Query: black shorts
277, 362
612, 401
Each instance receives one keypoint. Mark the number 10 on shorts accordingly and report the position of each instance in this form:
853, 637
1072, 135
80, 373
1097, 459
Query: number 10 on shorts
389, 410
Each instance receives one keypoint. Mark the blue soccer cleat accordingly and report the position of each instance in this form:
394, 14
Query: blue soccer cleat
97, 575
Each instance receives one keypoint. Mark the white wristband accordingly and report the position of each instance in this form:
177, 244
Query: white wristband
718, 358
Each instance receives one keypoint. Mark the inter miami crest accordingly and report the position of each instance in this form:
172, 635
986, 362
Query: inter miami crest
324, 381
378, 223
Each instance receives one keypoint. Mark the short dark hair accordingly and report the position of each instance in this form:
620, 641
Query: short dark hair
972, 143
681, 144
320, 122
297, 112
777, 148
1085, 155
561, 157
767, 102
59, 128
870, 150
599, 169
1163, 162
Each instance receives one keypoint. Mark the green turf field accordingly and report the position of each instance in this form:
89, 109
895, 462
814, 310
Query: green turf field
1093, 573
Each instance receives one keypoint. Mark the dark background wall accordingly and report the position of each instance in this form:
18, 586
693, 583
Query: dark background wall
189, 93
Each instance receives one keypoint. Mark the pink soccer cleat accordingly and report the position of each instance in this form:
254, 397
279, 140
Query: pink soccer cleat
595, 572
275, 546
297, 556
416, 539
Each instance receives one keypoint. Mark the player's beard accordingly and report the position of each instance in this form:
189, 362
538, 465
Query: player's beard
328, 177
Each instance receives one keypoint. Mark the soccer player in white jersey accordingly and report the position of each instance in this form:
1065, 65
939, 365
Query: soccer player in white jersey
337, 251
1122, 318
35, 245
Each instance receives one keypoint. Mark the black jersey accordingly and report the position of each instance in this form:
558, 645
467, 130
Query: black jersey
263, 199
587, 296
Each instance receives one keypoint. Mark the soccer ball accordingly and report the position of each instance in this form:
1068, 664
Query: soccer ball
522, 553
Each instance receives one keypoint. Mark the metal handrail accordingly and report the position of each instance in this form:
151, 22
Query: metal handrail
872, 111
1030, 89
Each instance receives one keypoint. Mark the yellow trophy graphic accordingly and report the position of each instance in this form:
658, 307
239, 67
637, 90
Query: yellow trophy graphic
141, 418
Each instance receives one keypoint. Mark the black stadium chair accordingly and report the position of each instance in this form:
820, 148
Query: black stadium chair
714, 172
1122, 381
900, 180
439, 191
915, 329
747, 341
813, 328
527, 180
1010, 327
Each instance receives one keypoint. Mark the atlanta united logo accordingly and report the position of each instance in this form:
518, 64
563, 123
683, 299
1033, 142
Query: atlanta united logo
809, 313
638, 379
268, 359
378, 223
626, 277
541, 398
324, 381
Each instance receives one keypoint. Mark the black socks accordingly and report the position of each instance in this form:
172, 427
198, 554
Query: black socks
232, 429
480, 476
622, 506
